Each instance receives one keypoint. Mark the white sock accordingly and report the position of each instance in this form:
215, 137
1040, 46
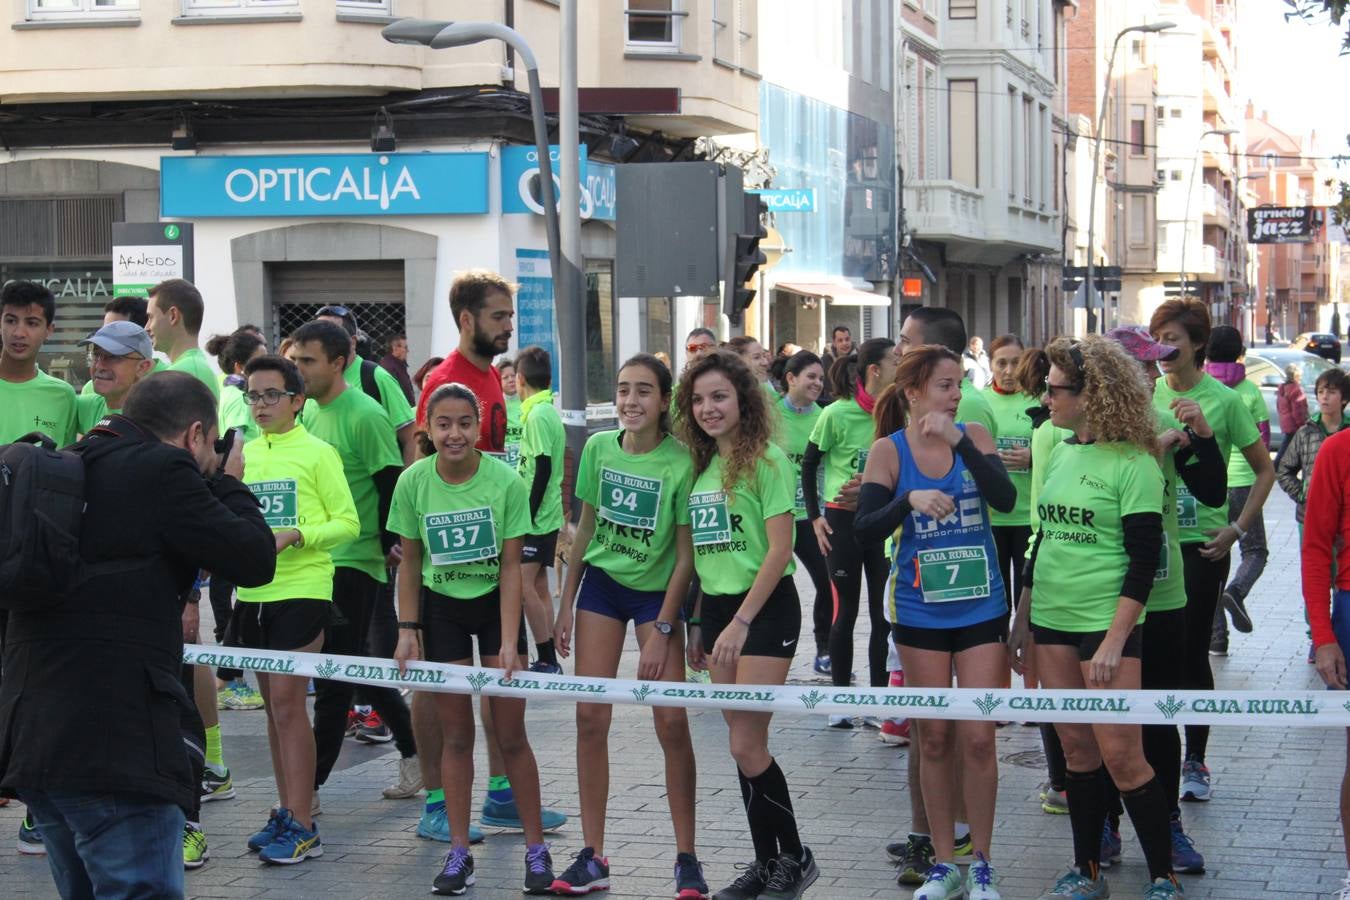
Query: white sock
962, 831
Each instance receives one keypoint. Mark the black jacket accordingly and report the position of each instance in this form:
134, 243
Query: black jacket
90, 699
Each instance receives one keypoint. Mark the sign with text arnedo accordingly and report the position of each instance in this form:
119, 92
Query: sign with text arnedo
1283, 224
355, 184
146, 253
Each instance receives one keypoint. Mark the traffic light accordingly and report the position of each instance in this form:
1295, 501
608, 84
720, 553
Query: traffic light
748, 259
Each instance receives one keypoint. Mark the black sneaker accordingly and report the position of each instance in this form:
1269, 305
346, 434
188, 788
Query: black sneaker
791, 876
689, 882
913, 857
538, 870
1237, 611
1218, 643
748, 885
456, 874
587, 873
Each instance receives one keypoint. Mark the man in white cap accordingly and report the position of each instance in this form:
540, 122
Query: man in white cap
120, 354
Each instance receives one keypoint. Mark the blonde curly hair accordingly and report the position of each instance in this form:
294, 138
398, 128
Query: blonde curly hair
1116, 395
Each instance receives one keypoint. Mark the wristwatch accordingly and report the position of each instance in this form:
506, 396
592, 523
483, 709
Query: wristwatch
664, 628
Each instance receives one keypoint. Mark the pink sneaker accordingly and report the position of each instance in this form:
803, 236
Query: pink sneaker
895, 732
898, 678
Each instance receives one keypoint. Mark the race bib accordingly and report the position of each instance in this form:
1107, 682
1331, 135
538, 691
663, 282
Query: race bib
1187, 514
1014, 443
953, 573
629, 500
1164, 558
512, 455
498, 455
278, 502
862, 459
463, 536
709, 519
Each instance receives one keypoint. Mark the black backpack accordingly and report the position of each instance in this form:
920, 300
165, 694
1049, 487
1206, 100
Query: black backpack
41, 507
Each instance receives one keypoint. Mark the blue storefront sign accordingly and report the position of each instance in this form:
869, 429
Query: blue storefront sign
520, 190
534, 305
788, 200
356, 184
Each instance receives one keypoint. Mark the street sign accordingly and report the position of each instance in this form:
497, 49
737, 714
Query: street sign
146, 253
1284, 224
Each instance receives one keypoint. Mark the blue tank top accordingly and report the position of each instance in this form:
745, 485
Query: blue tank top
945, 573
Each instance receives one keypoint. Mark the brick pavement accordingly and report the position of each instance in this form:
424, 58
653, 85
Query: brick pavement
1270, 831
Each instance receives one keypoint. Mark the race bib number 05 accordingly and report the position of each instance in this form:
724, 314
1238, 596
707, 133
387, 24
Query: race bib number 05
629, 500
708, 518
464, 536
953, 573
1187, 514
278, 502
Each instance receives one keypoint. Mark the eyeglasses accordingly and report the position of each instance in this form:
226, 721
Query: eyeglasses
1050, 389
101, 357
697, 348
267, 398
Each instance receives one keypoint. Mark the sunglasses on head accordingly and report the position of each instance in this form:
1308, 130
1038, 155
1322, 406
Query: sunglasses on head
338, 310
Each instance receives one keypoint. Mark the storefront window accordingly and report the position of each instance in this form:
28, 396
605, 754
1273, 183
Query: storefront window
658, 338
600, 331
81, 291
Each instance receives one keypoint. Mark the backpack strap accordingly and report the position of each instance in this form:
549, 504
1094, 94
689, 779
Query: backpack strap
368, 382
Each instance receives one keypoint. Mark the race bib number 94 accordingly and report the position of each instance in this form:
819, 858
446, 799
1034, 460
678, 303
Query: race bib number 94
464, 536
953, 573
629, 500
708, 518
278, 502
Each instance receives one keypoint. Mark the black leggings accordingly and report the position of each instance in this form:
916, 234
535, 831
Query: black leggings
808, 552
849, 565
1205, 579
1011, 543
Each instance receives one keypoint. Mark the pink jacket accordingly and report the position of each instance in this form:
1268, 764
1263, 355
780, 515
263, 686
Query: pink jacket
1292, 405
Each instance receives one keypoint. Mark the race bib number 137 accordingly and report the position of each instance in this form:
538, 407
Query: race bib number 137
463, 536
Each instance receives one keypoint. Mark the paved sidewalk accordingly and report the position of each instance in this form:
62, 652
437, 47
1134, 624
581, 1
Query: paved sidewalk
1270, 831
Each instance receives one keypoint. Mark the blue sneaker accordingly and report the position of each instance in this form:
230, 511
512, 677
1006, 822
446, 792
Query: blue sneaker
587, 873
689, 881
1164, 889
505, 815
30, 839
268, 834
822, 664
293, 844
538, 870
434, 826
541, 667
1073, 885
456, 875
1185, 858
1111, 846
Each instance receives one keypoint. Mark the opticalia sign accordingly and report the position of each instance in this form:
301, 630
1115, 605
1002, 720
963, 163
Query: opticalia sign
781, 200
520, 182
357, 184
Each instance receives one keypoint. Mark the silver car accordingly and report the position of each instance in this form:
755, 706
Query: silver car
1265, 369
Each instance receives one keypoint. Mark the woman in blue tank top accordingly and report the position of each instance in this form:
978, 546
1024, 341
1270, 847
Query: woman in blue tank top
929, 483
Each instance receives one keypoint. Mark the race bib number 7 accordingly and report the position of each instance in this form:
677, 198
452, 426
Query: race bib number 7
708, 518
953, 573
463, 536
629, 500
278, 502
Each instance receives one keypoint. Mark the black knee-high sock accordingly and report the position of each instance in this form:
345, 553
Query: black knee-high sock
1054, 756
1087, 811
546, 652
771, 803
1147, 806
761, 835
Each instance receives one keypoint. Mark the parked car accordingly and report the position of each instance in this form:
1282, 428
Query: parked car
1327, 346
1265, 369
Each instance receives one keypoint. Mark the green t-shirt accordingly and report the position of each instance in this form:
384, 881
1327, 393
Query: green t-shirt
195, 363
974, 407
730, 540
1013, 432
513, 432
42, 403
1043, 441
1240, 472
392, 398
844, 433
462, 527
792, 433
1233, 427
542, 435
1081, 560
298, 481
1169, 584
359, 430
639, 501
89, 410
235, 413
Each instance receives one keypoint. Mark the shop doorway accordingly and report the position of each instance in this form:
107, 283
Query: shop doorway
372, 289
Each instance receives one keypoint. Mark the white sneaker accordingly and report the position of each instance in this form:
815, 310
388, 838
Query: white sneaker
943, 882
840, 722
980, 881
409, 780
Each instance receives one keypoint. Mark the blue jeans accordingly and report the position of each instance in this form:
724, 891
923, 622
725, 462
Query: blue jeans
110, 846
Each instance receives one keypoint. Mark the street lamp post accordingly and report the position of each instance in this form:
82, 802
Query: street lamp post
1096, 164
1190, 189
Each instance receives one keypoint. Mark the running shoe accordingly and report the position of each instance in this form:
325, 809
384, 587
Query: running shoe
1053, 802
1111, 846
689, 881
268, 833
409, 780
1185, 858
539, 667
914, 857
373, 730
587, 873
216, 786
1164, 889
434, 826
1344, 892
895, 732
456, 874
841, 722
870, 722
980, 881
195, 853
354, 721
964, 849
538, 869
293, 844
1073, 885
238, 695
790, 876
30, 839
821, 665
504, 815
1218, 643
697, 676
1195, 781
1237, 611
943, 883
748, 885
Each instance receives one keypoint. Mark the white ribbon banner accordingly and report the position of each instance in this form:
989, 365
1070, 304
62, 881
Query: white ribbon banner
1282, 709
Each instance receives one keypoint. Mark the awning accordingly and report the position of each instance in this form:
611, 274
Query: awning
837, 293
